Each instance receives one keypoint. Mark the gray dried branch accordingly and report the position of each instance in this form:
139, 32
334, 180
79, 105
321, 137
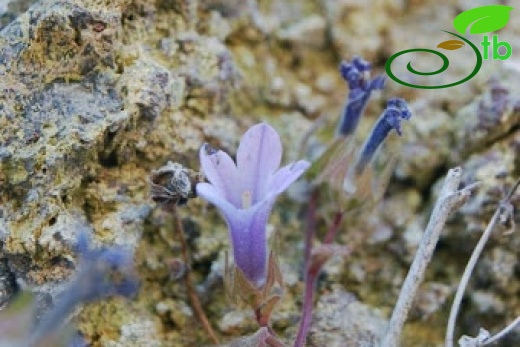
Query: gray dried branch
503, 208
514, 325
450, 199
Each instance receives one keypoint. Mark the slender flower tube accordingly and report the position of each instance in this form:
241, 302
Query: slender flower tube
396, 109
356, 74
245, 193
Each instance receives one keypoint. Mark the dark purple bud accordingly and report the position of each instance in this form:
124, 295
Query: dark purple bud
396, 109
356, 74
350, 74
361, 64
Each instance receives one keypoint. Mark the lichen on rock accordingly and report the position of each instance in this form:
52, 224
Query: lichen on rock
95, 94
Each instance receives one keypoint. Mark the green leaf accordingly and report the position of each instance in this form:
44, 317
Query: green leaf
451, 45
485, 19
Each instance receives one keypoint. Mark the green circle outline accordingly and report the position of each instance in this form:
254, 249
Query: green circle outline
443, 68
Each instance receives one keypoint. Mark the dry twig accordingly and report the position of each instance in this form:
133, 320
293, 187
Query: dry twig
450, 199
503, 207
190, 288
515, 324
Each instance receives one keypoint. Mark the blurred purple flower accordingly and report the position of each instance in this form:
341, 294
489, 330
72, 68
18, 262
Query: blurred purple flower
245, 193
102, 273
357, 75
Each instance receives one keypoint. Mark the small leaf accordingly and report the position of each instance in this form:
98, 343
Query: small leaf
266, 309
485, 19
247, 291
451, 45
274, 276
332, 166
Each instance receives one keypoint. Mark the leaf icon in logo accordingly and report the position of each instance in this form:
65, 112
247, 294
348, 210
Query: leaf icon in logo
485, 19
451, 45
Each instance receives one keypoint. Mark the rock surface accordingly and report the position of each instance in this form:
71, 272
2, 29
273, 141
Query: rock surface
95, 94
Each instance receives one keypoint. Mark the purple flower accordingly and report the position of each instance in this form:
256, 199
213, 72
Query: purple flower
356, 74
246, 192
102, 273
396, 109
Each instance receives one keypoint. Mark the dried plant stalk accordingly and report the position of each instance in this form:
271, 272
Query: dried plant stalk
190, 288
515, 324
450, 199
450, 330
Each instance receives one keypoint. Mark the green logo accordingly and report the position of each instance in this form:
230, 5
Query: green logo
480, 20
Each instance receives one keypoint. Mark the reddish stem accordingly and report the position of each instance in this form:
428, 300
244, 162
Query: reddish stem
262, 320
190, 288
309, 276
305, 323
333, 231
310, 230
312, 270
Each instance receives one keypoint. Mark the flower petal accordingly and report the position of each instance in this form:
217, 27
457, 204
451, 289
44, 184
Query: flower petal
213, 195
249, 240
284, 177
222, 173
258, 157
247, 232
